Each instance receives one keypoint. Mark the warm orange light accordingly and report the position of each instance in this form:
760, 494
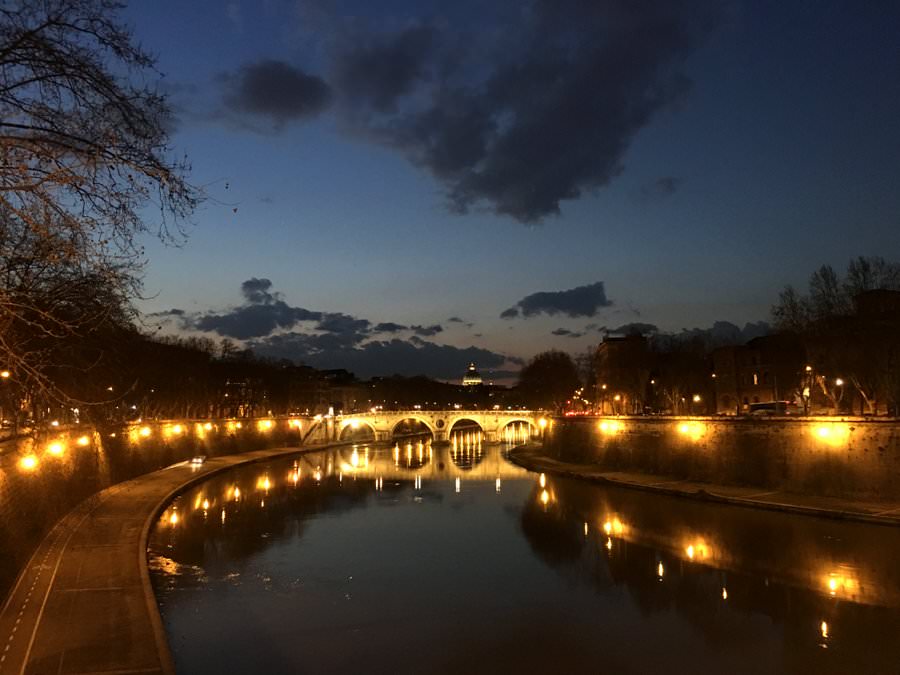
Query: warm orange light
28, 463
610, 427
265, 425
83, 441
692, 430
4, 374
841, 583
542, 480
145, 431
834, 434
56, 448
697, 550
208, 426
173, 519
545, 497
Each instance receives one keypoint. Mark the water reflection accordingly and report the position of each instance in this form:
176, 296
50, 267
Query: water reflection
335, 552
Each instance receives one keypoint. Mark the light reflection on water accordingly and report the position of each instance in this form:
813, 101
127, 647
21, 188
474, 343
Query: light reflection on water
356, 560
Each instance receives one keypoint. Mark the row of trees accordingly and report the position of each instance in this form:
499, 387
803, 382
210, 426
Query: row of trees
845, 328
84, 161
850, 326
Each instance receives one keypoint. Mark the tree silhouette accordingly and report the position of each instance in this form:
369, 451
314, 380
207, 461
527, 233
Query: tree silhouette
83, 151
549, 380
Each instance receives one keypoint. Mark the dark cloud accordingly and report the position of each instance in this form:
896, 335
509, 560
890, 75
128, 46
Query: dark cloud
249, 321
336, 322
575, 302
256, 291
635, 328
565, 332
263, 312
168, 313
388, 327
403, 357
276, 91
661, 187
427, 331
724, 333
379, 70
456, 319
542, 117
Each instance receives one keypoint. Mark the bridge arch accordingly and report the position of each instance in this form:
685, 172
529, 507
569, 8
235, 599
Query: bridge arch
516, 429
354, 429
422, 421
473, 421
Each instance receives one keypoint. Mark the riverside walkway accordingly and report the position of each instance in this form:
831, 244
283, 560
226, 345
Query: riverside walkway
84, 603
532, 457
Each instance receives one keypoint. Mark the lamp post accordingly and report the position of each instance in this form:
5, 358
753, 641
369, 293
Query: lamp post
807, 388
695, 400
4, 376
839, 383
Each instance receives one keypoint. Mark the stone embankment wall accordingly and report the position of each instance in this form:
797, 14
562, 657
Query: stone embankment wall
833, 457
42, 479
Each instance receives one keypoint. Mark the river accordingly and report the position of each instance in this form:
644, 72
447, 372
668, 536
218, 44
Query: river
413, 559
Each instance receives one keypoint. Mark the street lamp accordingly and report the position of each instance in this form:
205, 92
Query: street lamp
806, 393
695, 399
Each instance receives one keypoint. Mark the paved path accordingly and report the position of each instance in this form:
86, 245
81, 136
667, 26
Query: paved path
84, 603
884, 513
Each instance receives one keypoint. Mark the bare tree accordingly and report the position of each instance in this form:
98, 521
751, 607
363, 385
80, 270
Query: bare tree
83, 152
840, 340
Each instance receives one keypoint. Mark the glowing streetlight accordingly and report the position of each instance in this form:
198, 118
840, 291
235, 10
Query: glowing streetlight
5, 374
28, 463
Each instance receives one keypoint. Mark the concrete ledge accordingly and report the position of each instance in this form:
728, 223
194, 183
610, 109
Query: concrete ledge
84, 602
533, 458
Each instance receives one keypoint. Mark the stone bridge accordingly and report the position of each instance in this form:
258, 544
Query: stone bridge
493, 423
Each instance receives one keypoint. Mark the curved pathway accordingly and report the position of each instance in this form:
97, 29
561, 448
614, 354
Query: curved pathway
84, 603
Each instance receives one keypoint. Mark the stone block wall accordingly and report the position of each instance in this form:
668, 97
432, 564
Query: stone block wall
839, 457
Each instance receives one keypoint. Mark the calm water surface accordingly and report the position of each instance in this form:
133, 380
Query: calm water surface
421, 560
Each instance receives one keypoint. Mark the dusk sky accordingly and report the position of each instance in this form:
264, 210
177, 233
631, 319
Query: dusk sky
385, 179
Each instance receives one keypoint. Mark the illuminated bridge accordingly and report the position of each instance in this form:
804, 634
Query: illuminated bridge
493, 425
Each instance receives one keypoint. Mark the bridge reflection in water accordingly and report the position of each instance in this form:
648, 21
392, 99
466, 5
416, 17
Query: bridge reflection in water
738, 589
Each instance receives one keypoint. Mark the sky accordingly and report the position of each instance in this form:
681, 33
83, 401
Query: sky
407, 186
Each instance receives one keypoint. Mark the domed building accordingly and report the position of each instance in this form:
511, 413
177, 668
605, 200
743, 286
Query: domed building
471, 378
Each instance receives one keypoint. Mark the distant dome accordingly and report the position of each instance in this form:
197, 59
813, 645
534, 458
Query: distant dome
471, 377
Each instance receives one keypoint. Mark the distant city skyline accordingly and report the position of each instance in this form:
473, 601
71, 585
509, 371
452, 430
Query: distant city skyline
424, 185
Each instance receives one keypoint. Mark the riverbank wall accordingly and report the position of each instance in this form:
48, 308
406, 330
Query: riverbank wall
45, 476
851, 458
